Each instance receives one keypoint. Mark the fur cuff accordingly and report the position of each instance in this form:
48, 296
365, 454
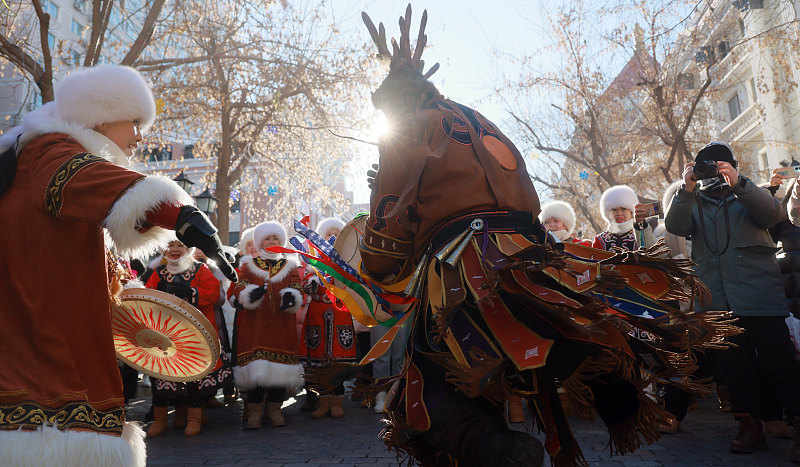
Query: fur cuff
130, 211
50, 446
267, 374
298, 299
133, 284
244, 297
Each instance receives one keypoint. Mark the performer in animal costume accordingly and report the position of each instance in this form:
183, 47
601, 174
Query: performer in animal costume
328, 331
620, 208
181, 275
67, 196
500, 310
267, 360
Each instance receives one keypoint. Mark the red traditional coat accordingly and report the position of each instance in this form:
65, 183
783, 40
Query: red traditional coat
265, 337
205, 287
59, 364
327, 330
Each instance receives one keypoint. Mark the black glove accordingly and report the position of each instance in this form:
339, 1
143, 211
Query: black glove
256, 294
195, 229
311, 287
371, 175
287, 301
182, 291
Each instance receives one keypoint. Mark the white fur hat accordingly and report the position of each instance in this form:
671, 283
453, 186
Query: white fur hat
265, 229
329, 223
105, 94
560, 210
618, 196
247, 236
666, 200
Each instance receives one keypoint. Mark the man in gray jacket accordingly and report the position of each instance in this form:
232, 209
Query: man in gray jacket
726, 216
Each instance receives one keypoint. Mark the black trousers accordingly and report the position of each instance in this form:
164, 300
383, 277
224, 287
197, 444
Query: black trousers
763, 349
256, 396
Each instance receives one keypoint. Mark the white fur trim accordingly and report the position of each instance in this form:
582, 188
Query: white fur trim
666, 200
105, 94
229, 313
619, 227
177, 266
43, 121
298, 299
264, 229
131, 209
50, 446
616, 197
133, 284
244, 297
156, 262
291, 263
247, 235
327, 223
267, 374
560, 210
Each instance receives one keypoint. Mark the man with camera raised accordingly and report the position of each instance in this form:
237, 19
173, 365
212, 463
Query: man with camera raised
727, 216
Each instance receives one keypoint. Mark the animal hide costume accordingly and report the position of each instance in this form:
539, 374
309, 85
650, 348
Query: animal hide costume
500, 309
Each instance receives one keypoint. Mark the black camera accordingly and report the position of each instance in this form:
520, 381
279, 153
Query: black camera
705, 169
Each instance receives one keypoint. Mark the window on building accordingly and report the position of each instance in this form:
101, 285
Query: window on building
764, 160
76, 27
233, 238
79, 5
188, 151
733, 107
51, 41
76, 57
753, 89
36, 101
50, 8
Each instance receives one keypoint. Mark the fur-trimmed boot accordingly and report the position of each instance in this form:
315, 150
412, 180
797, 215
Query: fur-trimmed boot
515, 412
750, 437
311, 402
274, 414
254, 413
194, 421
179, 420
159, 424
323, 408
337, 409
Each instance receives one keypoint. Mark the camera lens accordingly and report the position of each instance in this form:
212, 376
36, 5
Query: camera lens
705, 169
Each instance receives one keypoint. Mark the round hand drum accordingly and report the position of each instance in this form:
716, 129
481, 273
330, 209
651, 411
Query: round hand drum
163, 336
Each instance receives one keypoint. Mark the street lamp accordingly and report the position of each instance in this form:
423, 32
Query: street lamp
206, 202
183, 182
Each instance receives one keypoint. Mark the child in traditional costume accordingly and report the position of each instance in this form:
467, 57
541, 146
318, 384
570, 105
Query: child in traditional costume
190, 280
267, 360
67, 195
626, 227
328, 331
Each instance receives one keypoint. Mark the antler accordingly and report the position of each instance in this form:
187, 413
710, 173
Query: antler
401, 53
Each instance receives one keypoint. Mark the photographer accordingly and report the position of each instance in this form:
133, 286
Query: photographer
727, 216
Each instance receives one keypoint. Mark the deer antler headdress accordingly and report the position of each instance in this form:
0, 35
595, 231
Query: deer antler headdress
402, 54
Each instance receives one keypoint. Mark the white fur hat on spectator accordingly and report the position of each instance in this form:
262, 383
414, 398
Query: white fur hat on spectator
105, 94
618, 196
560, 210
666, 200
329, 223
264, 229
247, 236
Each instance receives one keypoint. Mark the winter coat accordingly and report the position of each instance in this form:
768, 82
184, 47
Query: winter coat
745, 278
789, 258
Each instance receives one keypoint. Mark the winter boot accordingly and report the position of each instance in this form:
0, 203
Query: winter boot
274, 414
750, 437
337, 409
323, 408
311, 403
254, 413
194, 421
180, 416
778, 429
159, 424
515, 412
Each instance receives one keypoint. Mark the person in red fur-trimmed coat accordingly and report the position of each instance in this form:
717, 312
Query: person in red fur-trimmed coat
68, 197
267, 360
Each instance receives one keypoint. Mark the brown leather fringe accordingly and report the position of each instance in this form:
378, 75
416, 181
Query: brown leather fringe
627, 436
468, 379
572, 457
580, 394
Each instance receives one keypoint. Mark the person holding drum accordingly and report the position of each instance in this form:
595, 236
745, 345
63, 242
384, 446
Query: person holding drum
267, 360
328, 331
68, 197
190, 280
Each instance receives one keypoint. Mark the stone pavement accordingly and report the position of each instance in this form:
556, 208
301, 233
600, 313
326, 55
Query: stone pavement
353, 440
